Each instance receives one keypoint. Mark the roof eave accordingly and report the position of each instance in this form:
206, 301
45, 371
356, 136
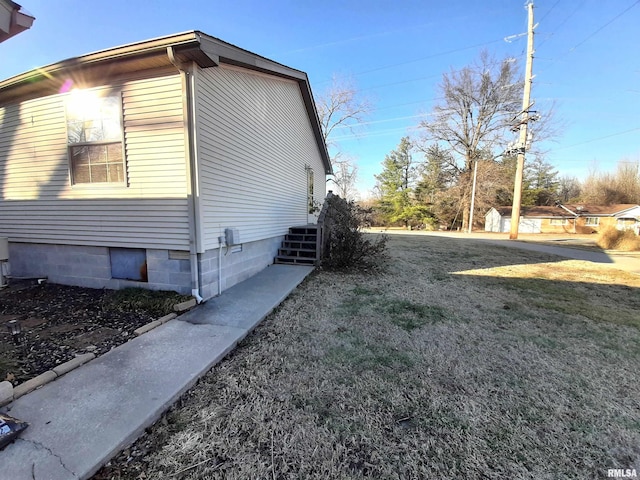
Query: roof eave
19, 22
115, 53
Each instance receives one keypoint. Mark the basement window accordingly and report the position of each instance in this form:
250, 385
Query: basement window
94, 137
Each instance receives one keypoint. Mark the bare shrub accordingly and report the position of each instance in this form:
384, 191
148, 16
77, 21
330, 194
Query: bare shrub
347, 247
608, 238
613, 239
629, 242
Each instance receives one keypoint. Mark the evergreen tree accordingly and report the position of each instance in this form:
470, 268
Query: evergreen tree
540, 182
395, 186
437, 174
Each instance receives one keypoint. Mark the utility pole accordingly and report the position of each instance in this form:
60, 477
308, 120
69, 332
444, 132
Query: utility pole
522, 146
473, 195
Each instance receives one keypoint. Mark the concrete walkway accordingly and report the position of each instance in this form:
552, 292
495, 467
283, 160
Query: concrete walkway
82, 419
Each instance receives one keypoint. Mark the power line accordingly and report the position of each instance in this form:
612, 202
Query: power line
384, 120
432, 56
549, 11
380, 133
595, 139
387, 107
439, 54
421, 115
400, 82
607, 24
562, 24
491, 64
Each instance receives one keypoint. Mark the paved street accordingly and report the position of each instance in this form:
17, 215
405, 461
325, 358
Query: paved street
567, 246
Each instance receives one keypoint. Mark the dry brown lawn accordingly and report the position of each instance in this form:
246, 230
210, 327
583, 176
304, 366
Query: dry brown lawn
463, 360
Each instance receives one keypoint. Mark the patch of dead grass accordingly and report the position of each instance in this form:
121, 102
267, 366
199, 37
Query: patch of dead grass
571, 287
503, 385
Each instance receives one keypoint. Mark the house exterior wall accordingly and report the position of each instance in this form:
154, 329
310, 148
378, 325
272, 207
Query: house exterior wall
254, 143
603, 222
254, 140
629, 219
90, 266
39, 204
547, 227
530, 225
237, 265
494, 222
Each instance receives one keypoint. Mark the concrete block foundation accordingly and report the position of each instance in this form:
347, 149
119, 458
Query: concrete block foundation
89, 266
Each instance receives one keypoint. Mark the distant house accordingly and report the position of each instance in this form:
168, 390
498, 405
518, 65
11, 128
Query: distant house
13, 20
152, 164
565, 218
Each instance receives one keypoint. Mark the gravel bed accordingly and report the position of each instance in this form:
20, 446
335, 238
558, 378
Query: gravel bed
60, 322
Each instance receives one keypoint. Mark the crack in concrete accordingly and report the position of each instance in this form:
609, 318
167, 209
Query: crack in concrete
41, 446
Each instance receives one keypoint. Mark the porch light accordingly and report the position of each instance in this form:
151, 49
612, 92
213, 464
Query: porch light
15, 329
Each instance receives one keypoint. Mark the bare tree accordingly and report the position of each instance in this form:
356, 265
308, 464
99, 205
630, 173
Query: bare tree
623, 186
345, 174
342, 109
476, 115
628, 181
569, 188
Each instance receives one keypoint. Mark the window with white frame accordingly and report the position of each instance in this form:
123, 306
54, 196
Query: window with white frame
558, 221
94, 137
626, 223
592, 221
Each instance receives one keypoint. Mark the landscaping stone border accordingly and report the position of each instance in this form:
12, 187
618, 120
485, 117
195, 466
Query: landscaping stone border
9, 393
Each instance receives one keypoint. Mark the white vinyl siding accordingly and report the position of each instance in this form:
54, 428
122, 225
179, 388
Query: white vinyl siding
530, 225
40, 205
254, 142
142, 223
493, 221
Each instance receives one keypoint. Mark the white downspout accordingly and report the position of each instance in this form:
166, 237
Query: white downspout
221, 240
192, 173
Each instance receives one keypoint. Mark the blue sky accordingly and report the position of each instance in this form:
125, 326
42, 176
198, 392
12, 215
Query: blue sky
587, 57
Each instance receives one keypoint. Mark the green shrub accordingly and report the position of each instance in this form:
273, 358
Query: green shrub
613, 239
347, 247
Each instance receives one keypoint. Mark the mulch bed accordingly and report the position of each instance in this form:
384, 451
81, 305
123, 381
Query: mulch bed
58, 323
